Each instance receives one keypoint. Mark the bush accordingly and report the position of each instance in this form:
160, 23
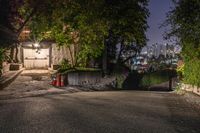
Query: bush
119, 81
180, 71
192, 72
157, 77
191, 69
64, 65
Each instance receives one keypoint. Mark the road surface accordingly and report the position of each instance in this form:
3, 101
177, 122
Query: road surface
100, 112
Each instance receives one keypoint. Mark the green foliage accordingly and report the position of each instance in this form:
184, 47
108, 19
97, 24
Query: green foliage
185, 25
120, 80
128, 20
65, 65
180, 71
154, 78
92, 22
192, 73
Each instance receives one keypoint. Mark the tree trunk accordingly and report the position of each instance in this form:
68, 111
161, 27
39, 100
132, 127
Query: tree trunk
120, 54
104, 65
16, 54
72, 58
12, 50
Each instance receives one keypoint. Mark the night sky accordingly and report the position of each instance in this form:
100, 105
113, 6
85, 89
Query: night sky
158, 10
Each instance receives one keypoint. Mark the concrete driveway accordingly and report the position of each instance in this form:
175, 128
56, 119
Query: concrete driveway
30, 83
100, 112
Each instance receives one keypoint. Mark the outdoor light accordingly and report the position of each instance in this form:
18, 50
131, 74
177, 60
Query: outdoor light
36, 45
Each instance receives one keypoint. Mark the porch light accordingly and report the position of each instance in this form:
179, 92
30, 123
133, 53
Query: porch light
36, 45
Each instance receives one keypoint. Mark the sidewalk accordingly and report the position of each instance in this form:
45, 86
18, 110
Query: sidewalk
8, 77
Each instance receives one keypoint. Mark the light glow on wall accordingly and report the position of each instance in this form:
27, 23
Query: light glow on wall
36, 45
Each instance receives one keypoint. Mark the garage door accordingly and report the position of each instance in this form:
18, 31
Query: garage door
36, 59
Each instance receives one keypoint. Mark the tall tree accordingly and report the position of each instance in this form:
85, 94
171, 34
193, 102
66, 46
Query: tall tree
127, 26
95, 22
184, 20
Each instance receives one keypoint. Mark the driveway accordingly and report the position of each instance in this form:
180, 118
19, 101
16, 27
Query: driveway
30, 83
100, 112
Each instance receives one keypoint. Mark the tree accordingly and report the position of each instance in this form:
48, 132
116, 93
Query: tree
185, 25
95, 23
127, 26
13, 18
72, 23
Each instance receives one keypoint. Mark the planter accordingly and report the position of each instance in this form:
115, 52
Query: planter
15, 67
82, 77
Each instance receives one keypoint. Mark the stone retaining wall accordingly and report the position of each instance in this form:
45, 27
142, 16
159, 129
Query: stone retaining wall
191, 88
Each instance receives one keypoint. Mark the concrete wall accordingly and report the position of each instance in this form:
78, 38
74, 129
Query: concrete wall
58, 54
82, 78
191, 88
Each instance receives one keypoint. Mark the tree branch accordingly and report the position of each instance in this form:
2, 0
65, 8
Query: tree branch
26, 21
128, 58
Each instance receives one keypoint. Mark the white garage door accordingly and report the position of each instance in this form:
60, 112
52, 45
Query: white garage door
36, 59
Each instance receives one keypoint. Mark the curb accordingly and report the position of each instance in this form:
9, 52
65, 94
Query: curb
9, 80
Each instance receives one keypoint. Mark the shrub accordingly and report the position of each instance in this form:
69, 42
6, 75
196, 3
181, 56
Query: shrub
191, 56
180, 71
192, 72
119, 81
64, 65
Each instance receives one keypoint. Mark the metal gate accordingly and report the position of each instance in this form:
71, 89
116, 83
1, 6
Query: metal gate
36, 58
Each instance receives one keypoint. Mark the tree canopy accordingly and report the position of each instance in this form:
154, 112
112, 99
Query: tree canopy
93, 22
86, 23
185, 25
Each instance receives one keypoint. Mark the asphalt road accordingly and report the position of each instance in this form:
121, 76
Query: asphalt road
100, 112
